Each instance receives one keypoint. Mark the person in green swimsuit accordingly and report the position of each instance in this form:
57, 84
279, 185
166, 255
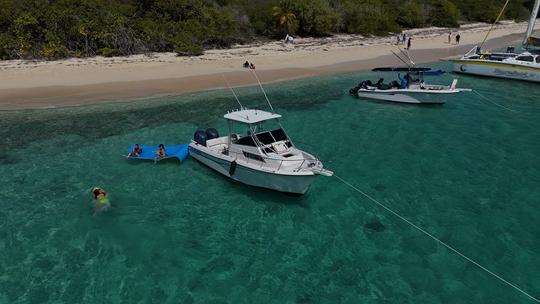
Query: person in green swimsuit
101, 201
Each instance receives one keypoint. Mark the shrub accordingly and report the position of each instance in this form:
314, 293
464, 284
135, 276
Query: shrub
445, 14
314, 17
184, 46
412, 15
109, 52
369, 17
54, 50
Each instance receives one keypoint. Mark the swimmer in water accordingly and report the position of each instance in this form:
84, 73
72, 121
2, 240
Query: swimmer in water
101, 202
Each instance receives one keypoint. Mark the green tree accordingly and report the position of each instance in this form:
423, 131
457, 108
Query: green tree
59, 28
26, 29
285, 19
411, 15
444, 13
369, 17
314, 17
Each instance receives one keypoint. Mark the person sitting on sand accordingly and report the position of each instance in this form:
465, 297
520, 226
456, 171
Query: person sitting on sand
136, 151
246, 64
252, 66
161, 153
101, 201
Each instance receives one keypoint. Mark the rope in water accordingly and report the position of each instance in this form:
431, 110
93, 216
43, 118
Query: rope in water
437, 239
493, 102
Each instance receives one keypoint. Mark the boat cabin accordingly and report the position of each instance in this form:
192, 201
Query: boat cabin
256, 131
256, 136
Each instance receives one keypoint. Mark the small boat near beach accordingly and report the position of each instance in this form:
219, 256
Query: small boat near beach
410, 89
258, 152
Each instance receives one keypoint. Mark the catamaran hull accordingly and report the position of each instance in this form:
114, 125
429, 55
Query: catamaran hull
496, 69
409, 97
295, 184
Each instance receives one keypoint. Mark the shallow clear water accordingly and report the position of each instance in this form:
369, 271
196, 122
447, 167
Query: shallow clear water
467, 171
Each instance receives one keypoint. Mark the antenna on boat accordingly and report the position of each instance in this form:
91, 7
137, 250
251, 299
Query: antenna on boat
260, 85
229, 86
493, 24
406, 54
401, 59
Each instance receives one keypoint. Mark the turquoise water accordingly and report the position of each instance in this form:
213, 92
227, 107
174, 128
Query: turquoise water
467, 171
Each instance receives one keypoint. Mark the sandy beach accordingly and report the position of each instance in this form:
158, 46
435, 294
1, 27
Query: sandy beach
75, 81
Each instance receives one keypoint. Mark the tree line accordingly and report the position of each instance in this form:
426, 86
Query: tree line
52, 29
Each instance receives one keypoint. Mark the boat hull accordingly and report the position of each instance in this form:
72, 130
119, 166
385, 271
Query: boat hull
290, 183
406, 97
496, 69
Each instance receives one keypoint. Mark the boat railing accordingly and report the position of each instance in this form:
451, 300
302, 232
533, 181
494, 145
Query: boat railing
262, 160
475, 50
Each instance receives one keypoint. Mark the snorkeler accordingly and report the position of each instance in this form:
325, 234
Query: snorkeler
101, 202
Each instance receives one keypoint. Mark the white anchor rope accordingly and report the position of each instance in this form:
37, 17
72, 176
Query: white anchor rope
493, 102
438, 240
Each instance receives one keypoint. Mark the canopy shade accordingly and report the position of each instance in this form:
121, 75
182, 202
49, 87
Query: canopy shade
251, 116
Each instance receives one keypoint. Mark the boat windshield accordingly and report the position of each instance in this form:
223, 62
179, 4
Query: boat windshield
245, 141
527, 58
269, 137
265, 138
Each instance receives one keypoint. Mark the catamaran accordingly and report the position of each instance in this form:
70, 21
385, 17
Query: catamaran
411, 88
509, 64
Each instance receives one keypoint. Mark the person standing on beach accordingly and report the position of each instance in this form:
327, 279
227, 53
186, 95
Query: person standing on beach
409, 43
449, 37
458, 36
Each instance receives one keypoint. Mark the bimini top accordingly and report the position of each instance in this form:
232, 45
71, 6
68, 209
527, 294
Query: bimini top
401, 69
250, 116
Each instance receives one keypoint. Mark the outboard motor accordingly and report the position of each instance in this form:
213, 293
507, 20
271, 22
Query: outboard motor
354, 90
200, 137
211, 133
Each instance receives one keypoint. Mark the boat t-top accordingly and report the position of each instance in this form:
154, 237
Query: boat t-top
509, 64
257, 151
411, 88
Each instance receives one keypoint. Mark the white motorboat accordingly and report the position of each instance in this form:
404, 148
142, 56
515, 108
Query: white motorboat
410, 89
257, 156
509, 64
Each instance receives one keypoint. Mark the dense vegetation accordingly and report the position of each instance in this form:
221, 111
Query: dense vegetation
60, 28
